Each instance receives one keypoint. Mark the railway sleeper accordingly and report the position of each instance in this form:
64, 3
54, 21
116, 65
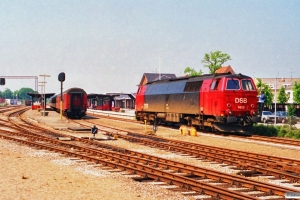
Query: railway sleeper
249, 173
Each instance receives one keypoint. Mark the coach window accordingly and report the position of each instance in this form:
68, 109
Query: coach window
247, 85
215, 84
233, 84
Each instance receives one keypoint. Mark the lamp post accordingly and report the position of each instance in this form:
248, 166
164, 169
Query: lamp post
275, 100
42, 89
44, 75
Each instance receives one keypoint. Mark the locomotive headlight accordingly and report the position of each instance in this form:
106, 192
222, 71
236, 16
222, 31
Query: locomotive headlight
253, 112
228, 112
228, 105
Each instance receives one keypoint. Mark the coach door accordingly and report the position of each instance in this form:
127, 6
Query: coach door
76, 100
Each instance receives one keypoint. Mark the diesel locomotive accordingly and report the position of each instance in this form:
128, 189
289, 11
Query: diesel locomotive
220, 102
74, 103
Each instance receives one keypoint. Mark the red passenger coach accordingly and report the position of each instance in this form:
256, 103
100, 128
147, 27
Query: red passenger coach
74, 103
103, 102
223, 102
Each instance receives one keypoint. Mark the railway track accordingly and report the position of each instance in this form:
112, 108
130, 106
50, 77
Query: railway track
258, 138
259, 164
148, 167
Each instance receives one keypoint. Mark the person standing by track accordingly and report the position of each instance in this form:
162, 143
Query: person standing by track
261, 102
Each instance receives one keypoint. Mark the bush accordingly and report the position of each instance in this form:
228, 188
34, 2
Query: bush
279, 131
263, 130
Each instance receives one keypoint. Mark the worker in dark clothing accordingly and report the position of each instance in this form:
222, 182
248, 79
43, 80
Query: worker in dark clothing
94, 130
261, 102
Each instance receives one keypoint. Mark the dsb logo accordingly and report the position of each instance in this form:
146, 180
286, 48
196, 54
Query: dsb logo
240, 100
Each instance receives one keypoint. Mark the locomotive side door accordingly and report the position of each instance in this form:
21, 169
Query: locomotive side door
216, 97
140, 98
205, 99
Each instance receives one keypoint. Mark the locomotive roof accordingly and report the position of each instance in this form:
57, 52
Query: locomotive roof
68, 91
199, 78
74, 90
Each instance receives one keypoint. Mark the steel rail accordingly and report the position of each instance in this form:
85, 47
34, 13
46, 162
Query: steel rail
147, 171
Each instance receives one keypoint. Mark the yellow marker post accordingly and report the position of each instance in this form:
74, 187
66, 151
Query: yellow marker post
60, 109
145, 126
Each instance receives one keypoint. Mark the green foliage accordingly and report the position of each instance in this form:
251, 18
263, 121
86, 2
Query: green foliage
266, 90
282, 96
296, 92
20, 94
268, 94
192, 72
260, 85
8, 94
214, 60
291, 110
269, 130
278, 131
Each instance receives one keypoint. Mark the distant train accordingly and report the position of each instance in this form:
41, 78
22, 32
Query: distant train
221, 102
74, 104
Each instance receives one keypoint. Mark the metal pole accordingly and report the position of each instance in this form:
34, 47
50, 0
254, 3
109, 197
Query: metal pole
61, 98
275, 100
44, 75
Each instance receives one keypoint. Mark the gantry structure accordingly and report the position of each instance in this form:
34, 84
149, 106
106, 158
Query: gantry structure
24, 77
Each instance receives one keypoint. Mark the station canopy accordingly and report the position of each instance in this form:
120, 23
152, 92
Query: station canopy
38, 95
92, 96
110, 95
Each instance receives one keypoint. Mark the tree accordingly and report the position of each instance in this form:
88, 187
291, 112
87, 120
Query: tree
22, 93
290, 114
266, 90
192, 72
7, 94
268, 94
214, 60
296, 92
282, 96
260, 85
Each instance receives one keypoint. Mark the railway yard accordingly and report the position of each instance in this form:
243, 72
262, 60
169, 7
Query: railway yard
45, 157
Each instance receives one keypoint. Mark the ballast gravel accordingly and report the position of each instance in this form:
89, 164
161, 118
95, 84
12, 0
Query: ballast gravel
28, 173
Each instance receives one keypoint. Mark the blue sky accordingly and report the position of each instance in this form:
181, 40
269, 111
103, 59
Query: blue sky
106, 46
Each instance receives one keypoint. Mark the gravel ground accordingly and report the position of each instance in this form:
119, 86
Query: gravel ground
30, 174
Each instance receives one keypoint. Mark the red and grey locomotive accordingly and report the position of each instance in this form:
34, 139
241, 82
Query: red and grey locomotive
74, 103
223, 102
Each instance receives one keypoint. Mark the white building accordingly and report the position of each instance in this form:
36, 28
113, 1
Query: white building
276, 83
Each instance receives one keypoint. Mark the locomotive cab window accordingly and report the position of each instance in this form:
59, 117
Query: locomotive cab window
215, 84
247, 85
233, 84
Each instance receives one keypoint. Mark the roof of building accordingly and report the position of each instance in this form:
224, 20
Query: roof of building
225, 69
38, 95
149, 77
115, 96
